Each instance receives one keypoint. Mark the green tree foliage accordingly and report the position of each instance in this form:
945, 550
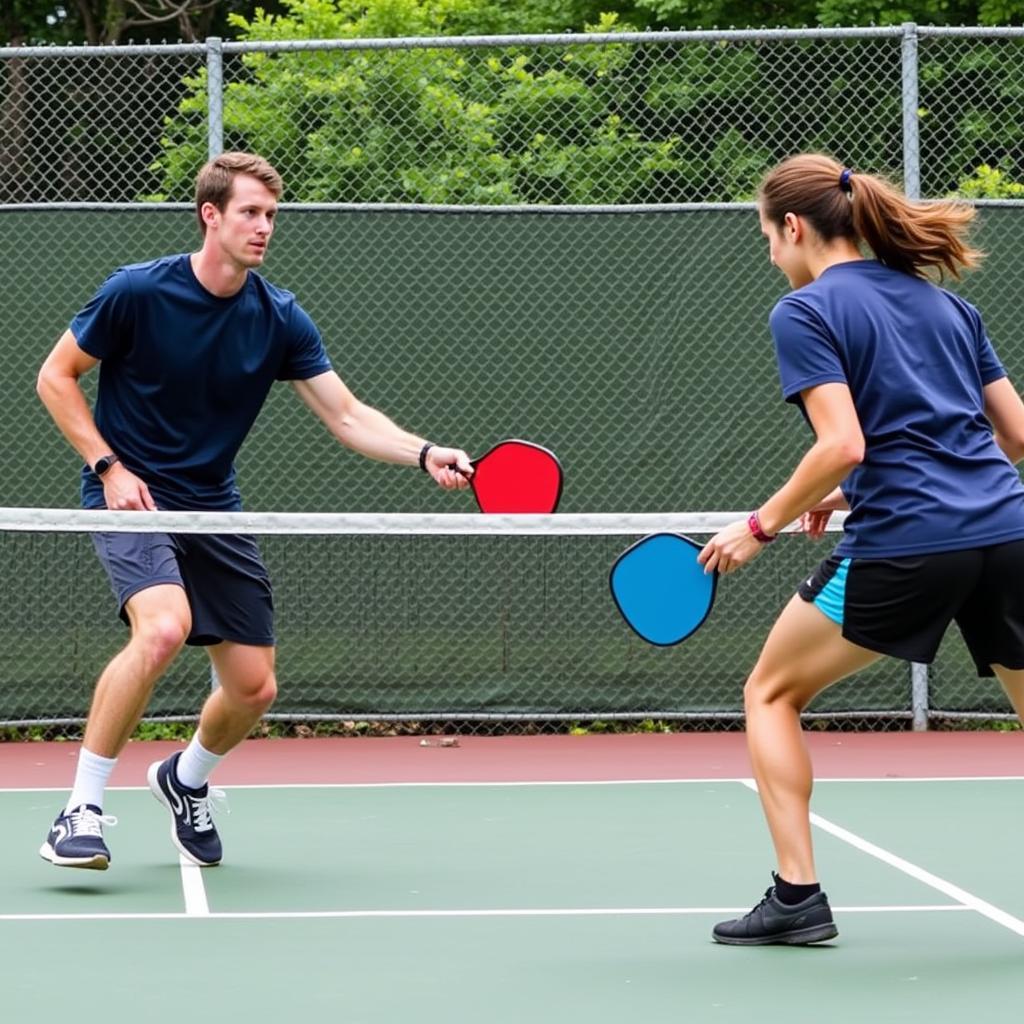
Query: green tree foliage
437, 125
990, 183
581, 124
727, 13
111, 21
26, 22
40, 22
831, 13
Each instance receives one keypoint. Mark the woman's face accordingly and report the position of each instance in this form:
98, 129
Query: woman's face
787, 247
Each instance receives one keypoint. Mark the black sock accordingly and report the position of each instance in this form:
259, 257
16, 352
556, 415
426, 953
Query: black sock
790, 894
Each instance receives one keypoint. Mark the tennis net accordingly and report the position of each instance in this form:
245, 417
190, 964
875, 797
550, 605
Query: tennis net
469, 620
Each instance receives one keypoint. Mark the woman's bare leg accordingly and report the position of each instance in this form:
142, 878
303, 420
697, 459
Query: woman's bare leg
805, 652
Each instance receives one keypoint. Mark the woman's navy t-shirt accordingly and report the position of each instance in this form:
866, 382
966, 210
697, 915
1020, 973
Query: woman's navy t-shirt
916, 358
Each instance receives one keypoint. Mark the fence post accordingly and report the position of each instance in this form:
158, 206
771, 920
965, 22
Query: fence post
911, 124
919, 699
215, 145
919, 696
214, 96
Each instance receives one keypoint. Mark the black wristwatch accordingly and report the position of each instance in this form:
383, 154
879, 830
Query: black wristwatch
103, 463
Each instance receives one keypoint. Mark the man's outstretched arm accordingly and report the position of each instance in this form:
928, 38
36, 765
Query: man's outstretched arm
368, 431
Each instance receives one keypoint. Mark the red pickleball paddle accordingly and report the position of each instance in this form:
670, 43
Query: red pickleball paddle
517, 476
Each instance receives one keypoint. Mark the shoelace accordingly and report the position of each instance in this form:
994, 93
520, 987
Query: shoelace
202, 818
764, 899
86, 822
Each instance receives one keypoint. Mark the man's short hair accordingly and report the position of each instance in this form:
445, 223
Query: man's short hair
216, 180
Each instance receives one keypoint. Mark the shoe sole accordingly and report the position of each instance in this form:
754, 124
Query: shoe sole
799, 937
97, 863
155, 789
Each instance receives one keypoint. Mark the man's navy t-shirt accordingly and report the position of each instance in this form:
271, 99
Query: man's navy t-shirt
184, 373
916, 358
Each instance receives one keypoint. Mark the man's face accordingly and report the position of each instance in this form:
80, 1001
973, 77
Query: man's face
242, 230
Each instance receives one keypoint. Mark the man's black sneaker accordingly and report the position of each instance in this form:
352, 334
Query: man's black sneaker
76, 839
773, 922
192, 828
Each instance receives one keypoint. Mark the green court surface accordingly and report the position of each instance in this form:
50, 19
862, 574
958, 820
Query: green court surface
508, 903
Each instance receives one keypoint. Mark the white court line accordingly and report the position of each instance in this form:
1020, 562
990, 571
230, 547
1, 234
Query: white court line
407, 785
925, 778
193, 889
993, 913
592, 782
528, 783
524, 912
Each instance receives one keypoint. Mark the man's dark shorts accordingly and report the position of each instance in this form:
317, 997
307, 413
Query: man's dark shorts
224, 577
902, 606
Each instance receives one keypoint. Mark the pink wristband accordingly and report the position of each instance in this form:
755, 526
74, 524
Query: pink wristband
755, 528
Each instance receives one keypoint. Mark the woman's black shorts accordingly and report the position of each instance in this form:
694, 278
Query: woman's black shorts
902, 606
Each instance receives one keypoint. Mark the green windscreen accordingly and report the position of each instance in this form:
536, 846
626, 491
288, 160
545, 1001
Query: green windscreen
633, 344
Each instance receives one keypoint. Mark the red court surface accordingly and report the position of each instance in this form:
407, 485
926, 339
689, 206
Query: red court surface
540, 758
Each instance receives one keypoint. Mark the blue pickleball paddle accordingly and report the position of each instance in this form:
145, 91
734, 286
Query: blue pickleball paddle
660, 590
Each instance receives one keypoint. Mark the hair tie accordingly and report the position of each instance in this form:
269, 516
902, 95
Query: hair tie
844, 181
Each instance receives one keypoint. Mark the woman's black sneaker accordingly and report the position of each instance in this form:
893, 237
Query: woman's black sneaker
773, 922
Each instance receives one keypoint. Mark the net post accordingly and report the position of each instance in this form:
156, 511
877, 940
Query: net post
214, 96
919, 695
911, 123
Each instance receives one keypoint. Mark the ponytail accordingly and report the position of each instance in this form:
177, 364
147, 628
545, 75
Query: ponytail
838, 203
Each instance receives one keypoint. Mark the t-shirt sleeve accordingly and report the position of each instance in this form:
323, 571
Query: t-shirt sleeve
806, 352
989, 365
104, 326
306, 356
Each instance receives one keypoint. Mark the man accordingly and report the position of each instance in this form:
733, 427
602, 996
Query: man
190, 345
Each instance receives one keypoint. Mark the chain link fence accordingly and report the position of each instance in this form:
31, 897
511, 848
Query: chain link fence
614, 118
546, 237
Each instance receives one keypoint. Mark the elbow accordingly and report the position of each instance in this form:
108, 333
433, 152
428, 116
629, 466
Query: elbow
51, 387
854, 453
345, 430
1013, 445
846, 454
44, 386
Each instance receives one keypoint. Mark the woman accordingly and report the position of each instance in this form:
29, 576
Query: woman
917, 431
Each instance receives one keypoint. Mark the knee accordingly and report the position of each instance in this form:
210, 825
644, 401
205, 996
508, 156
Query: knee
751, 693
160, 638
259, 694
764, 689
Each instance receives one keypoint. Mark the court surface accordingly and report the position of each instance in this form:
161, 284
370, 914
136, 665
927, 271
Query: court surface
522, 879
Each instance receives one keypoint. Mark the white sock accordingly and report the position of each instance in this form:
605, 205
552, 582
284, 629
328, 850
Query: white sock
195, 764
91, 777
